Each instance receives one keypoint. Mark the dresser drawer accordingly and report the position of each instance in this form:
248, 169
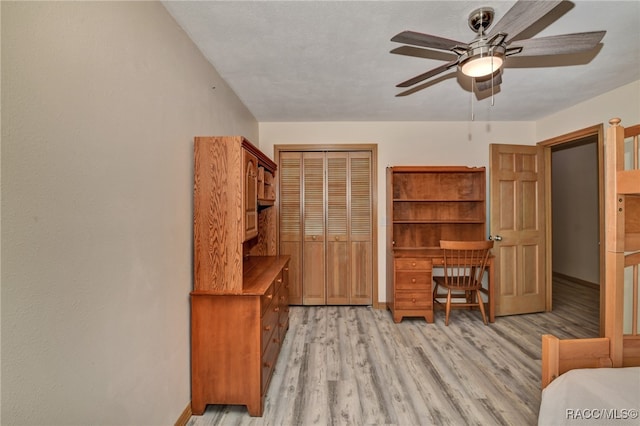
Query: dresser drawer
269, 359
414, 300
267, 298
412, 264
269, 326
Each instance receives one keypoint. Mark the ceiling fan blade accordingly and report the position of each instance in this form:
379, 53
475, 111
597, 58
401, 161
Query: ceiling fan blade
419, 52
427, 40
560, 44
429, 83
495, 81
428, 74
521, 16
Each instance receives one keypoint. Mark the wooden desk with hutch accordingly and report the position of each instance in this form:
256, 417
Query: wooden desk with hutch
240, 300
425, 205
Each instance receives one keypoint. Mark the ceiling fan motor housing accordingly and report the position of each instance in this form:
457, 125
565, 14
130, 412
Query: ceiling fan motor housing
481, 19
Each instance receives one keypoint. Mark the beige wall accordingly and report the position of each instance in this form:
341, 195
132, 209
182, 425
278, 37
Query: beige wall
623, 102
100, 103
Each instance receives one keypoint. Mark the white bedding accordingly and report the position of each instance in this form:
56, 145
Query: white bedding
592, 396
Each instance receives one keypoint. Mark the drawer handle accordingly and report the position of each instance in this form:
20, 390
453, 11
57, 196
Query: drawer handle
413, 280
314, 237
276, 309
286, 269
276, 340
267, 327
413, 263
267, 364
413, 300
269, 296
279, 280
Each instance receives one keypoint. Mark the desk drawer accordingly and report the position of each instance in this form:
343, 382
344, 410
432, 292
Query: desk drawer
412, 264
414, 300
413, 280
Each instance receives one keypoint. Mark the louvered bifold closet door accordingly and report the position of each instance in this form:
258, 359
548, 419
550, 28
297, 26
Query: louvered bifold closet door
313, 224
360, 228
337, 229
290, 213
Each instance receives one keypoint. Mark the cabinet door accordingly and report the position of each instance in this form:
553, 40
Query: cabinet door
338, 264
290, 212
250, 196
313, 249
360, 228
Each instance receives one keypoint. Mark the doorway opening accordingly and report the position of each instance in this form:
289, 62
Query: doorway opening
575, 223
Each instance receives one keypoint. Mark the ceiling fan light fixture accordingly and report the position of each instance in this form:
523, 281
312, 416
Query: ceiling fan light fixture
479, 65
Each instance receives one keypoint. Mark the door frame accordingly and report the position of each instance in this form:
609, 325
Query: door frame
547, 145
373, 148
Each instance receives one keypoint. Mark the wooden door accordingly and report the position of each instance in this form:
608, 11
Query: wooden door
250, 195
290, 214
313, 225
517, 225
326, 217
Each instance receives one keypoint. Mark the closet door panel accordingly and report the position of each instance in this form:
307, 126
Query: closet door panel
313, 196
361, 228
337, 229
290, 212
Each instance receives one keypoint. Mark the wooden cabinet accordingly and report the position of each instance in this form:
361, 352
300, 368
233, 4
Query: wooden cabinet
426, 205
240, 300
326, 226
236, 340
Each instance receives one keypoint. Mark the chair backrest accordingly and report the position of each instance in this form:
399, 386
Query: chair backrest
465, 262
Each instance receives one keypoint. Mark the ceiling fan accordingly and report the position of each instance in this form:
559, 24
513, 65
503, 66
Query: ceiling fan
483, 58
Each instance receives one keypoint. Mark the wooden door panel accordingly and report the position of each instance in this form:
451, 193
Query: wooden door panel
337, 273
313, 276
517, 217
361, 273
313, 196
290, 214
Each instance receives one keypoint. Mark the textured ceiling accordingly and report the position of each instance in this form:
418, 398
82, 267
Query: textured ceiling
330, 60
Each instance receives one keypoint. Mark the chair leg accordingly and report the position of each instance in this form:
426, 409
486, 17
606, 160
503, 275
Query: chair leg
448, 308
481, 306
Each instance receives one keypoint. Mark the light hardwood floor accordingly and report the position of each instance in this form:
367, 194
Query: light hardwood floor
354, 366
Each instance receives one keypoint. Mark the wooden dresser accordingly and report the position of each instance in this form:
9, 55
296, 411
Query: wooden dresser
426, 205
240, 300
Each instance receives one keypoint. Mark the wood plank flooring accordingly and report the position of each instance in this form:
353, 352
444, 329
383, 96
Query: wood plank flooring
355, 366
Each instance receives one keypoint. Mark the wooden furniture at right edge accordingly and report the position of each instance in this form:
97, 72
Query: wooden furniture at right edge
621, 345
425, 205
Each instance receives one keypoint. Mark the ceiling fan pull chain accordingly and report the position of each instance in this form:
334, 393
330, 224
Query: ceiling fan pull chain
473, 83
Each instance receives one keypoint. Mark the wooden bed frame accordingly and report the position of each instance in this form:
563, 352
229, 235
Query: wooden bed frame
622, 246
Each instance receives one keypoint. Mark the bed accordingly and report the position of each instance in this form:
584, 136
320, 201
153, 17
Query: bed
597, 380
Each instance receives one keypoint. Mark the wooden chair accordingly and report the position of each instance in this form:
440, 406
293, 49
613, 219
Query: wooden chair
464, 265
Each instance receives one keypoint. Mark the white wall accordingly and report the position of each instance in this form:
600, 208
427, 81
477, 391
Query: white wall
404, 143
100, 103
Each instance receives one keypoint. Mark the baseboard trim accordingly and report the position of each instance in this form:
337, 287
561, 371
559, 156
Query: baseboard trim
576, 280
185, 416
